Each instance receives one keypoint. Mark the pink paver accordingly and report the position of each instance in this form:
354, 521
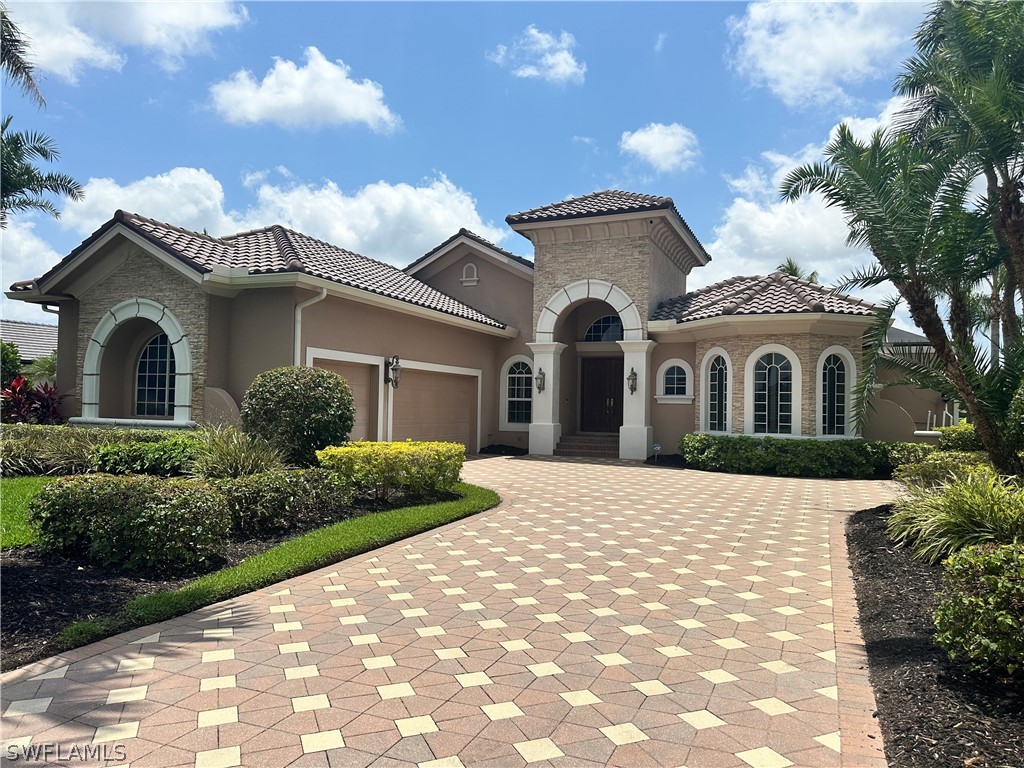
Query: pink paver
607, 613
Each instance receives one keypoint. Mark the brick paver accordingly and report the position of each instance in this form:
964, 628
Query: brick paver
608, 613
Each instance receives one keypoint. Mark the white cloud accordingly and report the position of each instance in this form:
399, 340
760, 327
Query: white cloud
806, 53
671, 147
25, 256
317, 94
659, 42
396, 223
863, 127
537, 54
67, 38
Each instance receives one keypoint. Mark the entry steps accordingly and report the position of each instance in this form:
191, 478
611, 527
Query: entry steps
589, 446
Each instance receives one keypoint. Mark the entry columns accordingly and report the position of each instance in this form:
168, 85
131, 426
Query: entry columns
636, 434
545, 426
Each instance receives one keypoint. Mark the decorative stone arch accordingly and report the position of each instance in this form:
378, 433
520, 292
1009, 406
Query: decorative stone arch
600, 290
116, 316
796, 424
850, 362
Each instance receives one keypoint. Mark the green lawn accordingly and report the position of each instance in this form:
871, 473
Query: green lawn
15, 494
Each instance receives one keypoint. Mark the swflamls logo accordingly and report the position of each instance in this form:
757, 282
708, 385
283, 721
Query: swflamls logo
66, 753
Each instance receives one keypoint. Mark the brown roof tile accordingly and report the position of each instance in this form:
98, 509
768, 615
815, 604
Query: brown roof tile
475, 237
776, 293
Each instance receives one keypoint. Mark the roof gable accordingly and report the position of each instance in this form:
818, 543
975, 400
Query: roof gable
467, 236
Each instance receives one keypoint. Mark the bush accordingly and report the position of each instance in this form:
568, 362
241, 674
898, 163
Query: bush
980, 618
299, 410
891, 456
166, 458
279, 500
959, 437
962, 511
21, 403
743, 454
132, 522
229, 452
940, 466
10, 363
412, 468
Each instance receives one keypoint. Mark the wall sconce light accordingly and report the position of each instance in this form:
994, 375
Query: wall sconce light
392, 371
631, 380
538, 380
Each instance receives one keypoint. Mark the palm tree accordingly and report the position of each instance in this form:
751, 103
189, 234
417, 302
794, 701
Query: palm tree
792, 268
905, 203
22, 185
13, 53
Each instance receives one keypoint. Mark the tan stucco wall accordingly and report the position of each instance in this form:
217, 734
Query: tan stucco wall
672, 420
916, 402
260, 335
667, 281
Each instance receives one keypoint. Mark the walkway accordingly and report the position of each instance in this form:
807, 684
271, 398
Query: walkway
608, 613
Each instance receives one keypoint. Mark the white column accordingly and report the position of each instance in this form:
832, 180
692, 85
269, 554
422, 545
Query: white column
636, 435
545, 427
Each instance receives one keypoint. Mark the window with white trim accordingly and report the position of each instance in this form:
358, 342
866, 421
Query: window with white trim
154, 378
833, 395
607, 328
519, 403
718, 395
674, 383
773, 395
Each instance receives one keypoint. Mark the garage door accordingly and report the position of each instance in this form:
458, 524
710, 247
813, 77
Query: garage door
435, 406
362, 380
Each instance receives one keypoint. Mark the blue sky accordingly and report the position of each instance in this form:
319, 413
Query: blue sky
384, 127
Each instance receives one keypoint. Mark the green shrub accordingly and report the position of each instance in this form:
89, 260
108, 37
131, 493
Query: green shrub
980, 618
133, 521
743, 454
279, 500
167, 458
959, 437
229, 452
412, 468
20, 456
299, 410
10, 363
890, 456
964, 510
940, 466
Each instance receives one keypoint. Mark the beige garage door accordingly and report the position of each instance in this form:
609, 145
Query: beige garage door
362, 380
435, 406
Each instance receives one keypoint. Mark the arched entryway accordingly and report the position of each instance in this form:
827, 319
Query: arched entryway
589, 344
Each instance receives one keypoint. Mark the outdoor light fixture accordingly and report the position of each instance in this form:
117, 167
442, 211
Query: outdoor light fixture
539, 379
631, 380
392, 371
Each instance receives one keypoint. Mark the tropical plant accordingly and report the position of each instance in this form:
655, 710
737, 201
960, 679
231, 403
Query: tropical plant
226, 451
10, 363
42, 369
21, 403
14, 58
792, 268
22, 184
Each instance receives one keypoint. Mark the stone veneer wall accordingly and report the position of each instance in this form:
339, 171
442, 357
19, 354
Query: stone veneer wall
806, 346
623, 261
139, 275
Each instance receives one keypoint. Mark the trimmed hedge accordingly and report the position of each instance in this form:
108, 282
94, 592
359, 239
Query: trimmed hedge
938, 467
959, 437
980, 618
413, 468
744, 454
167, 458
274, 501
135, 521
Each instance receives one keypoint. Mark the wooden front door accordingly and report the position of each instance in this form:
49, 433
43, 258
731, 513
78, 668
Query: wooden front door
601, 385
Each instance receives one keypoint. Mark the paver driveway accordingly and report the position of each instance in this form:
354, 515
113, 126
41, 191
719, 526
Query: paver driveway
607, 614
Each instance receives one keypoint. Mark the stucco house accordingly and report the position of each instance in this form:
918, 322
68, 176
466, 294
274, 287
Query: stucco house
595, 346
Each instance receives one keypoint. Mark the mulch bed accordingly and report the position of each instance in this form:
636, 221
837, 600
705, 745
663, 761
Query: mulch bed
932, 712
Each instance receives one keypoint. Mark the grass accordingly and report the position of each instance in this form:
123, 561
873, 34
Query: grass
292, 558
15, 494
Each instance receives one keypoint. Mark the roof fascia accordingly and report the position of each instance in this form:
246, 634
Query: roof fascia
500, 258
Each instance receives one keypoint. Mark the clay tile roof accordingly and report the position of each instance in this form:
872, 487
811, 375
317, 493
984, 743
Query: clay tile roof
479, 240
776, 293
276, 249
34, 340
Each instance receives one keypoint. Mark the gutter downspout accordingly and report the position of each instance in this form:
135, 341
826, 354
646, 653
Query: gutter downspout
298, 323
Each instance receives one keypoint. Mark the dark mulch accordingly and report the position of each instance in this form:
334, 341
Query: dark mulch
668, 460
932, 712
499, 449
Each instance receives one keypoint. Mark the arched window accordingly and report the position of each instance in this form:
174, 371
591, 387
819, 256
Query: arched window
833, 396
607, 328
773, 395
517, 394
674, 382
154, 378
470, 275
718, 395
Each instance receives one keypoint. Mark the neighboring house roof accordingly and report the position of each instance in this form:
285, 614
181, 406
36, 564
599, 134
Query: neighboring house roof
276, 249
902, 337
609, 202
477, 239
776, 293
34, 340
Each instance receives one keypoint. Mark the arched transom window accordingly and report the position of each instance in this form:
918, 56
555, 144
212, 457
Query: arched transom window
607, 328
718, 395
519, 403
833, 396
773, 395
154, 379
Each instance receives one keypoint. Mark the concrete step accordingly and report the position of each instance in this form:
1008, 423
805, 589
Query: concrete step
589, 446
586, 453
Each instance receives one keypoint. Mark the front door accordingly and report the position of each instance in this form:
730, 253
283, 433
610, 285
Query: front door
601, 394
